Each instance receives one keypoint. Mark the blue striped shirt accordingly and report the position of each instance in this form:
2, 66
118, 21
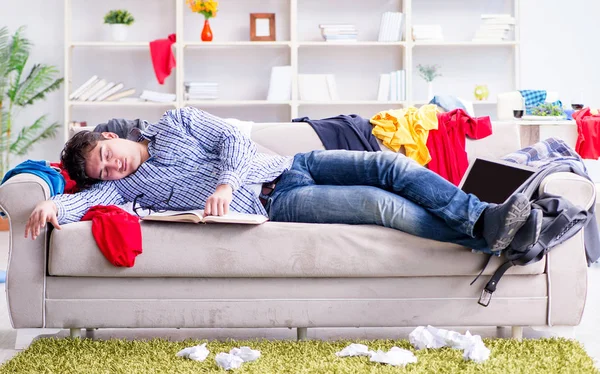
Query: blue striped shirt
191, 153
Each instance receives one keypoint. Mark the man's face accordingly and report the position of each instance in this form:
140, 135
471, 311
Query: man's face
113, 159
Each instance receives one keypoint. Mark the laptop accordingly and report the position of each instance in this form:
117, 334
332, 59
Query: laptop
494, 181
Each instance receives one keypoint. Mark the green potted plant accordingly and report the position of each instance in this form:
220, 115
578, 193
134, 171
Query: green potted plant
429, 73
548, 110
19, 89
119, 21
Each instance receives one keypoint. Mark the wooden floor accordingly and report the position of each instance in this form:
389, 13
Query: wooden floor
588, 332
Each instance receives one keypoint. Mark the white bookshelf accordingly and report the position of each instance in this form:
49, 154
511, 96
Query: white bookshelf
242, 67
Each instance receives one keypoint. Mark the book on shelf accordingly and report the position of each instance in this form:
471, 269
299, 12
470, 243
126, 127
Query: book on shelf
317, 87
197, 216
75, 94
114, 89
92, 89
494, 27
280, 85
339, 33
391, 27
159, 97
201, 90
121, 94
392, 86
106, 87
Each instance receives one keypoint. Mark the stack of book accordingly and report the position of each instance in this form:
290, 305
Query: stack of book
159, 97
201, 91
97, 89
494, 27
392, 86
339, 33
391, 26
430, 33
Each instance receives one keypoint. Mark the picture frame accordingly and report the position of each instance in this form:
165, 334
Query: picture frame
262, 27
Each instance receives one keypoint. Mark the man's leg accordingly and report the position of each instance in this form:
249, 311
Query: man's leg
401, 175
364, 205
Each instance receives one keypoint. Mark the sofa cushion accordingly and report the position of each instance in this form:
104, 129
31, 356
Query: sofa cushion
274, 249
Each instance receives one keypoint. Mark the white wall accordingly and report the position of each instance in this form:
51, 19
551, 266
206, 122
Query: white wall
557, 50
44, 21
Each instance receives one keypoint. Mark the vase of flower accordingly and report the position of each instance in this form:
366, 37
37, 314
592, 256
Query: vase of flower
208, 8
206, 34
429, 73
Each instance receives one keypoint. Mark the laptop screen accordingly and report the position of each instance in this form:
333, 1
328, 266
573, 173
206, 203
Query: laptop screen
494, 181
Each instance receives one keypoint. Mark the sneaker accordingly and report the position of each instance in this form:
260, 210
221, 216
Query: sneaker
527, 236
501, 222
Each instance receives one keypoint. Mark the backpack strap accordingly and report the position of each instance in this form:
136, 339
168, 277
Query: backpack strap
550, 236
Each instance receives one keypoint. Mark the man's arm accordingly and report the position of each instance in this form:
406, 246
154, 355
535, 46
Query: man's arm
67, 208
235, 150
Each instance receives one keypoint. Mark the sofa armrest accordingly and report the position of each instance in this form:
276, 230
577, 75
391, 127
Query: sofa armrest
26, 270
567, 264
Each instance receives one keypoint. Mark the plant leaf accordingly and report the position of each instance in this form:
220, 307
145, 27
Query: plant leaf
29, 135
4, 60
42, 94
33, 86
19, 54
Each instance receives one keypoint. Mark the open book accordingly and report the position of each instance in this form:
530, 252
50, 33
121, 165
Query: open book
196, 216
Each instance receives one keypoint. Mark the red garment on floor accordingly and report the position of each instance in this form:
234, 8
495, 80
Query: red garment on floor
588, 134
70, 185
117, 233
163, 60
447, 144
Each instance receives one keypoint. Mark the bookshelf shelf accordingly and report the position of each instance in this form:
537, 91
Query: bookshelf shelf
465, 44
352, 102
121, 104
207, 103
234, 44
243, 68
351, 44
111, 44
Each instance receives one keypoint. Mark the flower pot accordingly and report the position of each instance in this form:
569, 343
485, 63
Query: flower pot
429, 91
206, 35
119, 32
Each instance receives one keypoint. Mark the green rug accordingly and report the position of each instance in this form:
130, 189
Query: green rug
158, 356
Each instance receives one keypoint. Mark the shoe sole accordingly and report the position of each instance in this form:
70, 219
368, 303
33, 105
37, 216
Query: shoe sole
524, 244
515, 219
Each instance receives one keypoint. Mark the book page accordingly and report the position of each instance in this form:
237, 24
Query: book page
198, 216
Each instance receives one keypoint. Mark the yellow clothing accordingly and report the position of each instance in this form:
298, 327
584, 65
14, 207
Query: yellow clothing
407, 127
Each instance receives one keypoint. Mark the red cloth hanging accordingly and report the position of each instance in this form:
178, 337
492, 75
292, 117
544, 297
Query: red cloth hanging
117, 233
588, 134
163, 60
447, 144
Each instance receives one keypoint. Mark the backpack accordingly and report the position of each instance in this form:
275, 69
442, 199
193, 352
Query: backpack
561, 221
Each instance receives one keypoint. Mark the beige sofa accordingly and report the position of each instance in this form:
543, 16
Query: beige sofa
283, 274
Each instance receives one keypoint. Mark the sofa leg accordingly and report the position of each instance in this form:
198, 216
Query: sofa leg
75, 333
89, 333
517, 332
301, 333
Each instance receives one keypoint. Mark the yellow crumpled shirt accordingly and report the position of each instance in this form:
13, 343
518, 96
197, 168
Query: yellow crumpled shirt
408, 127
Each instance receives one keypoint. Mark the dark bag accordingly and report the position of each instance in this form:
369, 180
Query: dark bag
561, 221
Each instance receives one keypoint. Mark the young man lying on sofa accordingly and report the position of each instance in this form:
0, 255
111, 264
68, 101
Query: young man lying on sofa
191, 159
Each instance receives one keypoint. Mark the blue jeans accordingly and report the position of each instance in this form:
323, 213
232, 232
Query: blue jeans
381, 188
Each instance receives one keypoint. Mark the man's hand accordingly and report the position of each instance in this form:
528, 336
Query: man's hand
218, 203
44, 212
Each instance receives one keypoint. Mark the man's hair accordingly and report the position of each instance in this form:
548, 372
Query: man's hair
74, 153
